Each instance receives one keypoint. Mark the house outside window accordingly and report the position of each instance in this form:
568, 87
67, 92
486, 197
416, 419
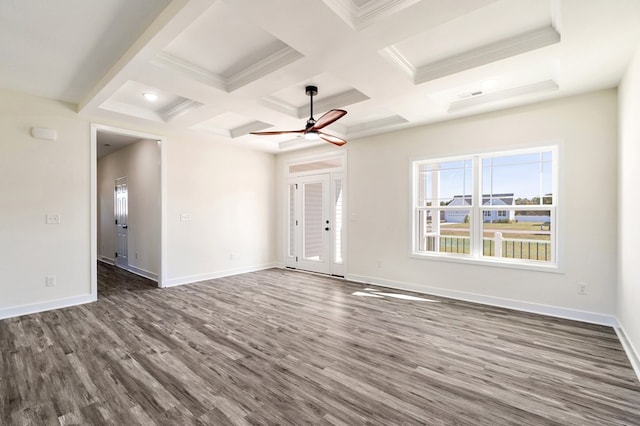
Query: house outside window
498, 207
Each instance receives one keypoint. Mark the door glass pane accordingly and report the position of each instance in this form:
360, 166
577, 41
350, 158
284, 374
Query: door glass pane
292, 220
313, 226
338, 221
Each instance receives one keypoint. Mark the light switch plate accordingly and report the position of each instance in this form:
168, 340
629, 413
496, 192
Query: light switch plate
53, 218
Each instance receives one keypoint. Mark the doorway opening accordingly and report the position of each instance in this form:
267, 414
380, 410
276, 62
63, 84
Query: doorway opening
316, 211
127, 203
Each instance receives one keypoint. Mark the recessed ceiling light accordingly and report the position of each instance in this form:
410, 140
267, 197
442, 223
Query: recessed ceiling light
150, 96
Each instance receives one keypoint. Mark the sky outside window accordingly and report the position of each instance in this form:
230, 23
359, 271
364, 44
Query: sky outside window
524, 175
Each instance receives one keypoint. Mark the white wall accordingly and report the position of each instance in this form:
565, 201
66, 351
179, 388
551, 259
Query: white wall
229, 192
140, 163
379, 194
629, 206
41, 177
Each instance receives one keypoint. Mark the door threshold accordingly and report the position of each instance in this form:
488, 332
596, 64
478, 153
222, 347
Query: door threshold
322, 274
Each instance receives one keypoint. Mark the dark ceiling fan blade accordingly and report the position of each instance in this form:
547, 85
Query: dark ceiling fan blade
331, 139
328, 118
311, 131
278, 132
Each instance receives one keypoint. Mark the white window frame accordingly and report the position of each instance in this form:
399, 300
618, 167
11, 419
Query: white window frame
476, 212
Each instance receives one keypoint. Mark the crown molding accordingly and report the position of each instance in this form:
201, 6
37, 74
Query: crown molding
382, 123
271, 63
359, 17
506, 48
180, 66
515, 92
254, 126
483, 55
334, 101
380, 9
393, 55
130, 110
180, 108
280, 106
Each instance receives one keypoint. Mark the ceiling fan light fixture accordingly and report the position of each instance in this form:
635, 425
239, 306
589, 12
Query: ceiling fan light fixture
312, 136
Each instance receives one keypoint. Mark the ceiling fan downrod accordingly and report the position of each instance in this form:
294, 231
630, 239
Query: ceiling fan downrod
311, 91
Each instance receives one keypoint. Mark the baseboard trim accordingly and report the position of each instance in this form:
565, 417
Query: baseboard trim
142, 272
107, 260
172, 282
629, 349
34, 308
553, 311
134, 270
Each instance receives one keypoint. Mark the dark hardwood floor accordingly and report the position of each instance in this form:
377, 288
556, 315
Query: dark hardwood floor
280, 347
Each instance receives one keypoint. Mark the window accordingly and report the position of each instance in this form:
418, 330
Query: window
496, 207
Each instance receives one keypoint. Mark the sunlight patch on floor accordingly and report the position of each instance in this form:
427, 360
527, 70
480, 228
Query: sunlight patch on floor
362, 293
372, 292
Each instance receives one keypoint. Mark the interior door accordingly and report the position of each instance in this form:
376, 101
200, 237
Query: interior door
122, 228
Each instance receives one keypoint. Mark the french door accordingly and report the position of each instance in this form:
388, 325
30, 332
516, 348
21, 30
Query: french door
315, 223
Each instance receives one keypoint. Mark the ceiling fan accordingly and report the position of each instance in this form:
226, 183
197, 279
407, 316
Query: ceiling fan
312, 129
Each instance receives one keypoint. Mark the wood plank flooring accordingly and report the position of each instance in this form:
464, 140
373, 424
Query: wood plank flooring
281, 347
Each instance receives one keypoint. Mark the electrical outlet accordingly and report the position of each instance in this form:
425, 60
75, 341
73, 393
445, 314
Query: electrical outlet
50, 280
583, 289
379, 263
230, 256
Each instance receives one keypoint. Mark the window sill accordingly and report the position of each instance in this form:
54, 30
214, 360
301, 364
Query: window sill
499, 263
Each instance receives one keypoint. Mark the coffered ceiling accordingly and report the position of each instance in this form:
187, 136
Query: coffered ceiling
225, 68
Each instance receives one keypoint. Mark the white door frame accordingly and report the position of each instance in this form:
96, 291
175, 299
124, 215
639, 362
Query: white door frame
333, 172
94, 202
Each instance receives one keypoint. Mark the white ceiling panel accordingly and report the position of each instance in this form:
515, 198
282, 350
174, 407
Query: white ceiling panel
232, 125
230, 67
223, 42
495, 22
132, 93
130, 100
60, 49
328, 85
